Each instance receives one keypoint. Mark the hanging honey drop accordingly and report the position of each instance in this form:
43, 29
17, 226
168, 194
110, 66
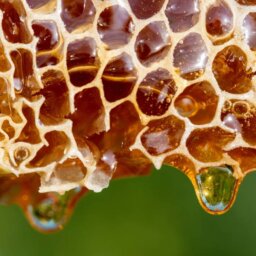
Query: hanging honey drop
216, 188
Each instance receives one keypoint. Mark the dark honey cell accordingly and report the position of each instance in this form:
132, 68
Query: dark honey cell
245, 157
119, 77
155, 93
206, 145
58, 143
163, 135
35, 4
152, 43
89, 114
14, 23
82, 61
30, 132
230, 70
47, 33
144, 9
182, 14
247, 2
56, 104
190, 56
77, 14
48, 40
249, 26
219, 19
44, 60
25, 83
115, 26
198, 102
71, 170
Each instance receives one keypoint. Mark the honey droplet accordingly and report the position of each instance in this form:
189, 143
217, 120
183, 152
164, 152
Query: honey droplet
216, 188
51, 212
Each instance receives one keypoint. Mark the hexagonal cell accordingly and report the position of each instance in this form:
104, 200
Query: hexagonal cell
30, 132
155, 93
230, 70
47, 33
5, 98
6, 102
25, 83
247, 2
198, 102
21, 154
119, 77
58, 143
181, 162
240, 115
249, 25
144, 9
8, 129
89, 114
48, 40
163, 135
219, 21
4, 64
190, 56
71, 170
206, 145
36, 4
77, 15
245, 157
152, 43
14, 22
56, 104
131, 164
115, 26
182, 14
82, 61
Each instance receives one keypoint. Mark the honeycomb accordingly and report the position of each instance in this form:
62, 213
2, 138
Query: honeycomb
93, 90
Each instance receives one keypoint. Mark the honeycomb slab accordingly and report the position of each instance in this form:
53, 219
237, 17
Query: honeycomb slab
92, 90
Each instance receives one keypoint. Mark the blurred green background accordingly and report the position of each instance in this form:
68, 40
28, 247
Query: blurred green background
146, 216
